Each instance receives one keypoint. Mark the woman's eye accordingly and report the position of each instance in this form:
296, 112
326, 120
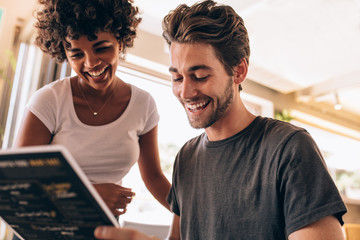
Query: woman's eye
102, 49
77, 55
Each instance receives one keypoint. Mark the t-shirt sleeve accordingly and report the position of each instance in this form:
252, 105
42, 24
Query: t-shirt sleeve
171, 198
153, 116
43, 105
307, 188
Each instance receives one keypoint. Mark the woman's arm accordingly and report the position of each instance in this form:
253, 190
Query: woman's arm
32, 132
150, 169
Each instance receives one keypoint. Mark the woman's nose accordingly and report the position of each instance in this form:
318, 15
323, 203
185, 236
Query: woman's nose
91, 60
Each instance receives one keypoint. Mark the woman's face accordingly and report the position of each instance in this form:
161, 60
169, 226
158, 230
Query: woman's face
94, 61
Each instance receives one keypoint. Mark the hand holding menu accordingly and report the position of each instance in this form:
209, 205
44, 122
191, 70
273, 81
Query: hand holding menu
45, 195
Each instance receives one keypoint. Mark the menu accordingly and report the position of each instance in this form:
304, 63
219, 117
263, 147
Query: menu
45, 195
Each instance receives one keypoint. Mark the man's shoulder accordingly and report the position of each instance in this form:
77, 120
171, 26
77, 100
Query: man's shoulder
193, 142
275, 126
275, 132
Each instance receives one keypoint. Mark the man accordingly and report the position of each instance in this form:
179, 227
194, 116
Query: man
246, 177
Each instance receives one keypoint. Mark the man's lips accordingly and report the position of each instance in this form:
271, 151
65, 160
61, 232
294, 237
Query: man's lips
194, 107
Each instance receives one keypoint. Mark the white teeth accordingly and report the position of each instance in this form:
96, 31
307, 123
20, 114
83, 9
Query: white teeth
194, 106
98, 73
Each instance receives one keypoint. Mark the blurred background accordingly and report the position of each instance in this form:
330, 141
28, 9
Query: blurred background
304, 68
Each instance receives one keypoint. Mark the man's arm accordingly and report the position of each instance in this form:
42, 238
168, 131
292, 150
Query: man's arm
327, 228
174, 233
114, 233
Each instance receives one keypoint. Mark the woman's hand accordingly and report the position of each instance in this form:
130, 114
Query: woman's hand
113, 233
115, 196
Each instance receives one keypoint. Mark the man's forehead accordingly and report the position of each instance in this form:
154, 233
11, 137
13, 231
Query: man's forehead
191, 57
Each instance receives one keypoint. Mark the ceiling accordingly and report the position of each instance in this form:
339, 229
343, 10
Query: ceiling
310, 47
307, 47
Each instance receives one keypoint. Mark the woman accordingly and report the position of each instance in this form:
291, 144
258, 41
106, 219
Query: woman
108, 125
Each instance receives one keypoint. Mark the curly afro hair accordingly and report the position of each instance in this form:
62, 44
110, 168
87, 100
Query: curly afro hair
74, 18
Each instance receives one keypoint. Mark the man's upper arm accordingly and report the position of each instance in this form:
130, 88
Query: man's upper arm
327, 228
175, 228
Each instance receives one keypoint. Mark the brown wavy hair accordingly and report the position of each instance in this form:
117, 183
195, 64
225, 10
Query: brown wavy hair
59, 19
210, 23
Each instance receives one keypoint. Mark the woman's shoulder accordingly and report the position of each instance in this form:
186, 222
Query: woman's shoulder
139, 92
60, 84
142, 96
57, 88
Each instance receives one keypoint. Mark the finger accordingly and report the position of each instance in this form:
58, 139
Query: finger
127, 193
119, 211
121, 206
124, 199
124, 188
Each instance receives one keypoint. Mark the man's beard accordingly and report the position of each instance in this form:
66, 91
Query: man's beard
220, 110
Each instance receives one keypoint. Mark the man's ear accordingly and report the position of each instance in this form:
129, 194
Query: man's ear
240, 71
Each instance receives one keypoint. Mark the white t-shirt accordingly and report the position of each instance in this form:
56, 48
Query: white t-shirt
105, 153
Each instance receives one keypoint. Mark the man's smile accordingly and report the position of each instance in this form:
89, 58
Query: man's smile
194, 107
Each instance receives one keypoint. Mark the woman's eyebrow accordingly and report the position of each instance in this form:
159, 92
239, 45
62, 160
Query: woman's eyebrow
100, 42
70, 49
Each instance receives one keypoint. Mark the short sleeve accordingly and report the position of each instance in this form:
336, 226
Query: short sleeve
171, 198
308, 191
147, 110
43, 105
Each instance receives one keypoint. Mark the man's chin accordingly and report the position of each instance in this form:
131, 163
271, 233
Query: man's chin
199, 124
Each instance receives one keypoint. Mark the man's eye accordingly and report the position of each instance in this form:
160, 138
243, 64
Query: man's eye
177, 79
201, 78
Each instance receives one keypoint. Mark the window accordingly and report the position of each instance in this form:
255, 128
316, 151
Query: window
174, 131
342, 155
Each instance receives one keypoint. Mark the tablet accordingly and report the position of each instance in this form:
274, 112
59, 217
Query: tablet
44, 194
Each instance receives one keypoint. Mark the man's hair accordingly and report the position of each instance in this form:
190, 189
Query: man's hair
210, 23
59, 19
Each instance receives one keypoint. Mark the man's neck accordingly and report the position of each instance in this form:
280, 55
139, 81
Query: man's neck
235, 120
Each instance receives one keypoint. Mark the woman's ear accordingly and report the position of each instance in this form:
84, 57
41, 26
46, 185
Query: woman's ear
121, 47
240, 71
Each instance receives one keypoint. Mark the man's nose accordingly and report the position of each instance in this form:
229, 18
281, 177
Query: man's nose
188, 89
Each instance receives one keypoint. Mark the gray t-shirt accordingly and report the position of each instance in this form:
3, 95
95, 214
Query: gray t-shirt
265, 182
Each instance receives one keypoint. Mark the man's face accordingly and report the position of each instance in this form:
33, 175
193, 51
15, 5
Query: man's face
200, 83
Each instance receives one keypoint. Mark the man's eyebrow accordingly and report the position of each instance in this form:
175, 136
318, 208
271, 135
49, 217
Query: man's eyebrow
191, 69
197, 67
172, 69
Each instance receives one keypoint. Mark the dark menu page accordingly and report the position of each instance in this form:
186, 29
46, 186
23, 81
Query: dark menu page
42, 197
